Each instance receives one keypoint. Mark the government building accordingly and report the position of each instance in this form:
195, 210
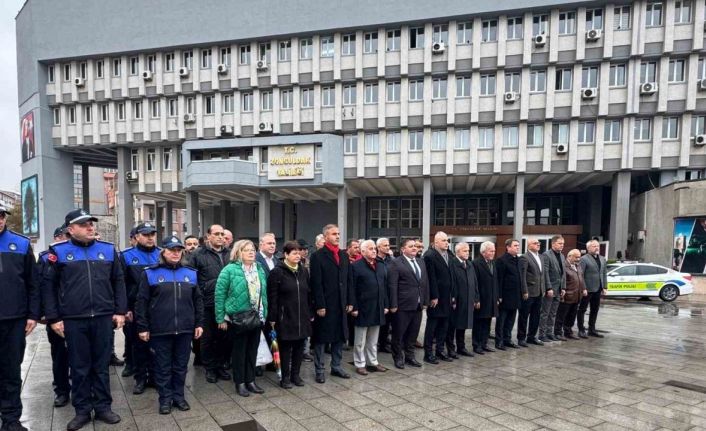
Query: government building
484, 119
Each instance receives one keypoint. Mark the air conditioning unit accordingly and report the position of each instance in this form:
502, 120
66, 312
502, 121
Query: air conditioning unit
222, 69
540, 40
184, 72
700, 140
648, 88
438, 48
702, 84
511, 97
131, 175
146, 75
589, 93
227, 130
594, 34
562, 148
189, 118
262, 65
79, 82
264, 127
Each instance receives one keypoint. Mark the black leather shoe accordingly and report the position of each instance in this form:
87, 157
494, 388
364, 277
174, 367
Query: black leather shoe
139, 387
431, 359
595, 334
478, 351
512, 345
61, 400
14, 426
488, 349
211, 376
320, 378
340, 373
128, 371
499, 346
115, 361
535, 341
583, 334
223, 374
413, 362
464, 352
572, 337
399, 364
108, 417
443, 357
241, 390
522, 343
297, 381
78, 422
452, 354
285, 384
308, 358
559, 338
254, 388
165, 409
182, 405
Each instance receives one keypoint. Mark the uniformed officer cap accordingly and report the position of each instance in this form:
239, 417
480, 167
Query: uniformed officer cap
145, 228
172, 241
78, 215
133, 232
4, 210
59, 231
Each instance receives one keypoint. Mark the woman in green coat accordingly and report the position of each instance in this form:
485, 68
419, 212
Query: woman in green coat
241, 286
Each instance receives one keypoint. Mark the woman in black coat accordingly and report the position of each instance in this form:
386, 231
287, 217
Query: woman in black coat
289, 311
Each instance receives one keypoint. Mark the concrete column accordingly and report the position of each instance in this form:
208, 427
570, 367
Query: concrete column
159, 220
288, 229
426, 212
596, 211
85, 188
519, 207
264, 212
223, 213
123, 198
619, 213
192, 213
168, 219
362, 218
505, 204
342, 211
353, 217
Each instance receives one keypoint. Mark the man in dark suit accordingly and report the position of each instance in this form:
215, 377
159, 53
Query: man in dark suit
266, 254
409, 295
512, 292
384, 257
442, 295
332, 302
531, 263
467, 301
488, 292
555, 275
595, 277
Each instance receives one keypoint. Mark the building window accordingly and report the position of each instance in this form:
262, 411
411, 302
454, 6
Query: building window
187, 59
285, 50
349, 94
104, 113
134, 160
463, 86
88, 114
393, 40
393, 92
676, 70
208, 105
643, 129
266, 100
648, 72
560, 133
440, 34
486, 137
612, 131
487, 85
549, 210
151, 66
621, 18
589, 77
567, 22
411, 214
698, 125
327, 46
653, 17
120, 107
72, 114
57, 116
438, 140
540, 24
514, 28
264, 51
227, 103
172, 107
702, 69
225, 56
82, 70
594, 19
328, 96
538, 81
371, 94
535, 135
189, 105
513, 81
350, 144
682, 11
463, 139
416, 37
439, 88
137, 110
416, 140
99, 68
511, 136
670, 128
247, 102
285, 99
372, 143
383, 213
151, 159
117, 66
587, 132
489, 30
370, 43
245, 54
483, 211
134, 65
306, 49
348, 44
167, 159
563, 80
464, 33
307, 97
618, 75
50, 73
416, 90
67, 73
154, 109
449, 212
394, 140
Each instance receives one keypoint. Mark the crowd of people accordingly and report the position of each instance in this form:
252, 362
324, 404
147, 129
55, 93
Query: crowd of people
220, 298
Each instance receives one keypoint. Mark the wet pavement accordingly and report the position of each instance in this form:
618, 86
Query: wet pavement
648, 373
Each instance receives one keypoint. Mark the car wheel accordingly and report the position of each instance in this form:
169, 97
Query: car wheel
668, 293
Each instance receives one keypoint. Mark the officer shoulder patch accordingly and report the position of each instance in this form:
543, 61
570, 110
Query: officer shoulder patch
160, 279
186, 278
69, 256
101, 256
12, 246
135, 261
51, 257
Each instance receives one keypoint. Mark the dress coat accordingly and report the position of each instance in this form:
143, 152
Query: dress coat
288, 302
487, 289
574, 284
466, 294
510, 281
441, 283
407, 292
369, 289
329, 289
535, 279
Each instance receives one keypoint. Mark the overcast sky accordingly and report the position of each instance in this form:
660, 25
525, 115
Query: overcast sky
10, 171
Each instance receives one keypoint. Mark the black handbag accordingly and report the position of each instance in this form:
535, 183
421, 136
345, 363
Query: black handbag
247, 320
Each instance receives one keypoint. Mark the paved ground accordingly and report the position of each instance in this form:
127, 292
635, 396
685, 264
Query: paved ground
610, 384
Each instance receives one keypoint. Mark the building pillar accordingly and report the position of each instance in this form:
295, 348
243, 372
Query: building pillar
363, 218
223, 213
342, 210
159, 220
85, 188
619, 213
353, 218
426, 212
595, 194
123, 200
264, 212
519, 207
288, 229
168, 219
192, 213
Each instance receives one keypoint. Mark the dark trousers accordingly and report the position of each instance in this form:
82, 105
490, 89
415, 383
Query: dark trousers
455, 339
89, 344
142, 360
291, 353
216, 345
171, 362
481, 332
405, 329
594, 299
336, 356
435, 330
12, 340
244, 354
196, 348
565, 317
384, 334
351, 329
530, 311
504, 324
129, 335
59, 363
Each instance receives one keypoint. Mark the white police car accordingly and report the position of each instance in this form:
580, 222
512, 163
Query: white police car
647, 279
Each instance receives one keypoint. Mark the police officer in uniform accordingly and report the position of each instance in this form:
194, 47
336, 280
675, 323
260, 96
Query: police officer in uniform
134, 260
84, 296
19, 313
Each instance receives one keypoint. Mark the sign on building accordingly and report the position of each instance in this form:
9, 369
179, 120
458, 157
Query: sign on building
290, 162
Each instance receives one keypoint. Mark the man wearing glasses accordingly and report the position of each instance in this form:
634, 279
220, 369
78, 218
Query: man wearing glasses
532, 265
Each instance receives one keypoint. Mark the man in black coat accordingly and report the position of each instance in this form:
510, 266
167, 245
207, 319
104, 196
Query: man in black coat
488, 292
442, 295
384, 257
532, 266
328, 269
408, 287
467, 301
512, 292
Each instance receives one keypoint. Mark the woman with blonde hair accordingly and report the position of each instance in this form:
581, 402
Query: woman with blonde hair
241, 309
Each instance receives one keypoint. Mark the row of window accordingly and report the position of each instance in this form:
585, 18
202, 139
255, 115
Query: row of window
151, 159
486, 210
440, 33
